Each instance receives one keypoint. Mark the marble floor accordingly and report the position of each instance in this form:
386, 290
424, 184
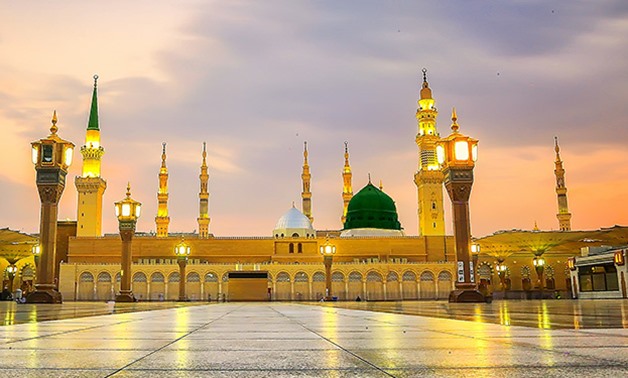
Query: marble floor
301, 340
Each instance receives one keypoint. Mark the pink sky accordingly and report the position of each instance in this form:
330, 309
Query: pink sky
255, 80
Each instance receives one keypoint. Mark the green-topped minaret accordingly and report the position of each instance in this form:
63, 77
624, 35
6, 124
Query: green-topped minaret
90, 185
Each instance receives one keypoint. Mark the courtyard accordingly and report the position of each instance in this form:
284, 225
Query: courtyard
367, 339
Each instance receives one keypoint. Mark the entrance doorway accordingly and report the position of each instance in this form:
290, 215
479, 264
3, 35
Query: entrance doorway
248, 286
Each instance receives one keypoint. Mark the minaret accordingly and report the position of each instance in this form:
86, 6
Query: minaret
347, 189
162, 219
564, 216
306, 177
428, 178
90, 186
203, 214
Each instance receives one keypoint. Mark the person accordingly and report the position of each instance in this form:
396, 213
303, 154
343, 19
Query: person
358, 299
19, 298
209, 297
6, 294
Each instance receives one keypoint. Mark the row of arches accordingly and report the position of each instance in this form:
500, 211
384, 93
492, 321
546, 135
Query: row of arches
372, 285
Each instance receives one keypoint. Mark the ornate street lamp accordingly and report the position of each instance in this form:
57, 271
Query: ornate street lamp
127, 211
11, 271
456, 156
182, 251
539, 266
327, 250
36, 254
501, 269
52, 157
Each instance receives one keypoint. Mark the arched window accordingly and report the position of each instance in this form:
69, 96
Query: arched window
193, 277
157, 277
211, 277
373, 277
444, 276
86, 277
318, 277
392, 276
300, 248
300, 277
337, 277
355, 277
174, 277
427, 276
409, 276
291, 248
283, 277
104, 277
139, 277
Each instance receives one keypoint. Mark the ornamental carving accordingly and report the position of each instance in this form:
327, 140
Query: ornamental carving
459, 191
50, 194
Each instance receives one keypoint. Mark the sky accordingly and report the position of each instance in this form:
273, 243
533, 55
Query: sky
255, 79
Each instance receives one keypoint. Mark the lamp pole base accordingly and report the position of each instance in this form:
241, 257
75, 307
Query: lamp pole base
125, 297
44, 296
468, 296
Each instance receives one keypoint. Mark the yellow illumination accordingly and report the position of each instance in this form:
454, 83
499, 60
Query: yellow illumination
126, 209
474, 152
138, 210
68, 156
440, 154
461, 150
34, 154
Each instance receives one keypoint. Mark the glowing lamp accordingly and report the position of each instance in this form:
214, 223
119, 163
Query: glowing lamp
128, 210
619, 258
327, 249
538, 262
11, 269
182, 250
571, 263
36, 250
456, 150
475, 249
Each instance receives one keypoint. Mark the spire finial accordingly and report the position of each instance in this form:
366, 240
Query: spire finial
95, 80
163, 150
536, 227
204, 151
556, 148
381, 185
454, 121
346, 147
370, 178
128, 189
54, 128
305, 153
424, 70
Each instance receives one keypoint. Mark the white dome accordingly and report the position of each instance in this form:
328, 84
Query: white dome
293, 222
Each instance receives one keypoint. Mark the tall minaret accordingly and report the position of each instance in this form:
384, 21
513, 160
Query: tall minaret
347, 189
429, 178
306, 177
90, 186
564, 216
162, 219
203, 213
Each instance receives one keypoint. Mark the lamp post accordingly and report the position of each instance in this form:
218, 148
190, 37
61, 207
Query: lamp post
11, 271
327, 250
182, 251
539, 266
52, 157
127, 211
36, 254
475, 253
456, 156
501, 269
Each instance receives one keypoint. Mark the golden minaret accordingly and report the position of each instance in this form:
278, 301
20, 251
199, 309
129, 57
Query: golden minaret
564, 216
347, 189
90, 186
203, 213
162, 219
306, 177
428, 178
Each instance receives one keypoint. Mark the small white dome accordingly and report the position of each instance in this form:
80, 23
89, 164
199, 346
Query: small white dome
294, 224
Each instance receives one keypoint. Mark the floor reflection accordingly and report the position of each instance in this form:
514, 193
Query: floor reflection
544, 314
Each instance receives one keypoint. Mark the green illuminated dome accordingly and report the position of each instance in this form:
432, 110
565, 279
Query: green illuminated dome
371, 208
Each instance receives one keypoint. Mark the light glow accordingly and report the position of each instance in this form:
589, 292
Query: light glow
440, 154
474, 152
35, 154
138, 210
68, 156
126, 209
461, 150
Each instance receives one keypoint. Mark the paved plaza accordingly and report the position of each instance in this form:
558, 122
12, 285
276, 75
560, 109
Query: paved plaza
316, 340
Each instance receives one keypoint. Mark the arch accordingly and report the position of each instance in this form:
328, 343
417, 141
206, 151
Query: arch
104, 277
225, 277
337, 277
27, 272
193, 277
318, 277
373, 276
427, 286
174, 277
157, 277
427, 276
118, 277
139, 277
318, 286
444, 276
392, 286
211, 277
301, 277
282, 286
86, 277
485, 271
283, 277
355, 276
409, 276
392, 276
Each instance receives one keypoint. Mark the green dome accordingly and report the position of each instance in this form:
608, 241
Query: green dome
372, 208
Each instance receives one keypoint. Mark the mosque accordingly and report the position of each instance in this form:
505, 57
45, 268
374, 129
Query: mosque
374, 259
